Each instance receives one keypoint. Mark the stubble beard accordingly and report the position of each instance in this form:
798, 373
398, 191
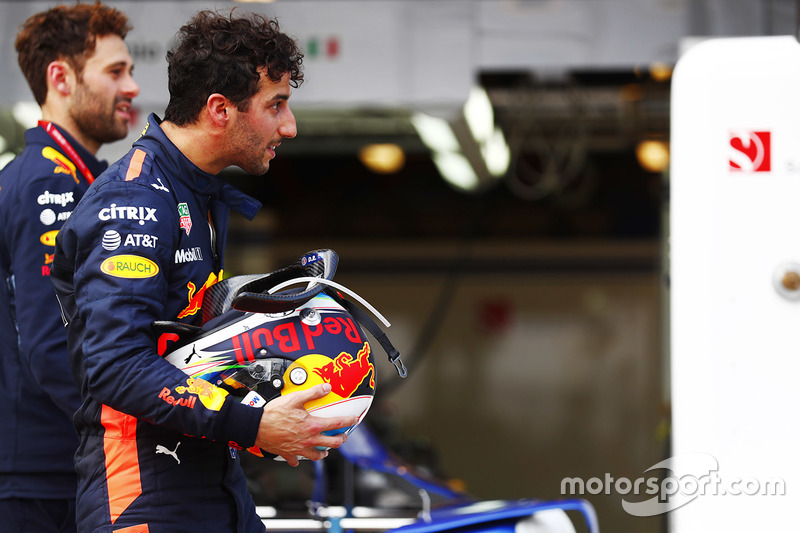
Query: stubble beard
96, 118
252, 157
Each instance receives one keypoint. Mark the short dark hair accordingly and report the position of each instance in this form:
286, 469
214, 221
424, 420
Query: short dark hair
66, 33
222, 54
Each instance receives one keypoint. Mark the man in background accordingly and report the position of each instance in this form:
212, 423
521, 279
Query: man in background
79, 70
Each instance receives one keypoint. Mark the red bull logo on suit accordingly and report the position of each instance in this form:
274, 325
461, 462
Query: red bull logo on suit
196, 295
63, 165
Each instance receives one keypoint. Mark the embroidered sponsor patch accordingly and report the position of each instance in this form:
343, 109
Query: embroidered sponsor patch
188, 255
47, 217
122, 212
196, 295
143, 240
160, 186
129, 266
63, 165
62, 199
49, 238
186, 218
111, 240
210, 396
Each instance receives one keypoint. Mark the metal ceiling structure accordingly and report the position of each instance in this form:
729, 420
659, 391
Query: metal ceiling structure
569, 83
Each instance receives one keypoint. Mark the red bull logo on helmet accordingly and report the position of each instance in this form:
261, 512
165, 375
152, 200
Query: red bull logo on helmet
346, 373
352, 381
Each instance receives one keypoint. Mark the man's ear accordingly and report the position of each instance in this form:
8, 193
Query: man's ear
60, 77
219, 109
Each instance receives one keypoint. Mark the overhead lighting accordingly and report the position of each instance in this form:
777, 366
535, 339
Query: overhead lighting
487, 138
496, 153
653, 155
382, 158
660, 71
479, 114
435, 133
468, 147
456, 170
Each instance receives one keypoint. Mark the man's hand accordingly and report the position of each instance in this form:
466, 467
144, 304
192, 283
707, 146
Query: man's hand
288, 430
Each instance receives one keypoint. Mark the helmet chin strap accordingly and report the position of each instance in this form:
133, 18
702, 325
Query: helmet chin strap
363, 318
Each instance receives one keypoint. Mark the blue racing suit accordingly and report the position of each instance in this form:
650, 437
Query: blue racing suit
158, 451
38, 397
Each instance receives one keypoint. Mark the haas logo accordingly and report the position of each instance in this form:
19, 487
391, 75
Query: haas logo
749, 151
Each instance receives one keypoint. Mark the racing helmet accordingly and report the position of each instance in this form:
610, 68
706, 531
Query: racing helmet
264, 337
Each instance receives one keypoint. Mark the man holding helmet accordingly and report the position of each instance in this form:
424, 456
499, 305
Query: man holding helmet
159, 450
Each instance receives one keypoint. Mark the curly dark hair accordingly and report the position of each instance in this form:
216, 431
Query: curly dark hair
67, 33
222, 54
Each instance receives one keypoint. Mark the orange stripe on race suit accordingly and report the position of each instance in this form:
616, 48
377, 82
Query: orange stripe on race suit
122, 462
135, 167
141, 528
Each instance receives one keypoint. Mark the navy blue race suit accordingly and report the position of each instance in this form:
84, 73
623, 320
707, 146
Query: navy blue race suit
143, 245
38, 396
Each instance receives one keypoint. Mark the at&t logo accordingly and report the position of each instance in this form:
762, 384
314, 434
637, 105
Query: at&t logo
750, 151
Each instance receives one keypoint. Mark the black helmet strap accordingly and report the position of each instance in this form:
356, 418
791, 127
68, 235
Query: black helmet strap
375, 330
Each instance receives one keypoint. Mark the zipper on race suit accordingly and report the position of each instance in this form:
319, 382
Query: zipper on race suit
213, 234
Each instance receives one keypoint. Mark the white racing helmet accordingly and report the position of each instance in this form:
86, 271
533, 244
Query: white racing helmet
264, 337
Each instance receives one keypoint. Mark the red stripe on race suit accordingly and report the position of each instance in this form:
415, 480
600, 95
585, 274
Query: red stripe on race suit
135, 167
122, 462
139, 528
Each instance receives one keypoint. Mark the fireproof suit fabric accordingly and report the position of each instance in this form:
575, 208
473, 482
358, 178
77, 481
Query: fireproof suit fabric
38, 396
143, 245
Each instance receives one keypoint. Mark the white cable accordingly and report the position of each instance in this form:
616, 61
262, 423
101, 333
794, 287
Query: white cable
425, 513
342, 288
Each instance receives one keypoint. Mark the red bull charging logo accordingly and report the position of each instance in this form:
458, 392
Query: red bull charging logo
345, 373
63, 165
196, 295
352, 380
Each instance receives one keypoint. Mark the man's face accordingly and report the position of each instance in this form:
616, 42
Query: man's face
101, 101
257, 132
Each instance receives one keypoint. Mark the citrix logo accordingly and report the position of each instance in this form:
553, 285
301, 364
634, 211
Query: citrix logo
114, 212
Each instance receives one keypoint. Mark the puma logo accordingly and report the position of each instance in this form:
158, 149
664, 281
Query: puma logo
160, 186
173, 453
189, 358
